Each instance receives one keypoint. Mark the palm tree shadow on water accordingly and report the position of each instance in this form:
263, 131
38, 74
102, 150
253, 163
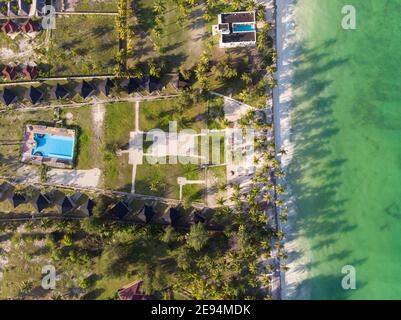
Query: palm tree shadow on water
314, 174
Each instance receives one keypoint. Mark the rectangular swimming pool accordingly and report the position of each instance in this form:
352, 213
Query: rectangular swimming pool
243, 27
54, 146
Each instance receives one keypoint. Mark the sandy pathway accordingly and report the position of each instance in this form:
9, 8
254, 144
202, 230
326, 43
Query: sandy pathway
98, 113
136, 154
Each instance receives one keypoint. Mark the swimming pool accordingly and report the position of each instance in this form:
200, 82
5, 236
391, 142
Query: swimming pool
53, 146
243, 27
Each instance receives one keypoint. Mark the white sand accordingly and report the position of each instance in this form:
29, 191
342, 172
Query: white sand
75, 178
98, 113
296, 248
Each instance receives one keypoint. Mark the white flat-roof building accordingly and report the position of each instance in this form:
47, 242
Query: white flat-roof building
236, 29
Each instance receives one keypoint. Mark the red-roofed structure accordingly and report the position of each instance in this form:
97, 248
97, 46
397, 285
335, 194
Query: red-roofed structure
9, 72
9, 27
30, 26
132, 291
30, 72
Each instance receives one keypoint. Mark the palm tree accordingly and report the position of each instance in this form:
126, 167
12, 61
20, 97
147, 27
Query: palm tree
271, 70
280, 174
159, 7
271, 82
280, 235
261, 13
67, 240
221, 201
26, 286
246, 77
267, 197
198, 237
265, 280
280, 189
207, 16
236, 187
222, 187
154, 70
283, 152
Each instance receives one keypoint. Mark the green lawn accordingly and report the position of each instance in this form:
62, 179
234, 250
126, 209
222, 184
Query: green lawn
89, 150
10, 157
219, 173
181, 45
96, 5
83, 45
158, 114
12, 124
161, 180
119, 122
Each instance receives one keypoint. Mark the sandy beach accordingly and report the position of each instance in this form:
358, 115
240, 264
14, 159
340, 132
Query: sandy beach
296, 248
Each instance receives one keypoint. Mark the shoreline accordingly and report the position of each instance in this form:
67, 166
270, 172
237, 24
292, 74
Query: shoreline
286, 47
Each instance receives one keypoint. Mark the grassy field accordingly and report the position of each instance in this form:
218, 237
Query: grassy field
89, 150
157, 114
83, 45
33, 246
119, 122
9, 159
161, 180
87, 265
96, 6
12, 125
181, 45
28, 253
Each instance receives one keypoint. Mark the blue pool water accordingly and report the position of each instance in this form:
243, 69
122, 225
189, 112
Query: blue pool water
248, 27
53, 146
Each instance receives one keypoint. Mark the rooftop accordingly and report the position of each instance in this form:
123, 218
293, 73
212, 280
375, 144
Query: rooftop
59, 92
9, 27
8, 97
235, 17
120, 210
85, 89
35, 95
132, 291
236, 29
30, 72
30, 26
105, 86
10, 72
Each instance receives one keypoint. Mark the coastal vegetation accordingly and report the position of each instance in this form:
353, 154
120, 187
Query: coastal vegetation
93, 257
82, 45
96, 256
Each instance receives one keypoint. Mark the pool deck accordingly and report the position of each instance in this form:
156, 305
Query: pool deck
30, 144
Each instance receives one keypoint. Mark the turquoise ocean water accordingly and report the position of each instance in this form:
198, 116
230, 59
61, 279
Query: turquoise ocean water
346, 169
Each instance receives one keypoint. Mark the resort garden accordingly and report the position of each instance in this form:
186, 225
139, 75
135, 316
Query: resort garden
164, 65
